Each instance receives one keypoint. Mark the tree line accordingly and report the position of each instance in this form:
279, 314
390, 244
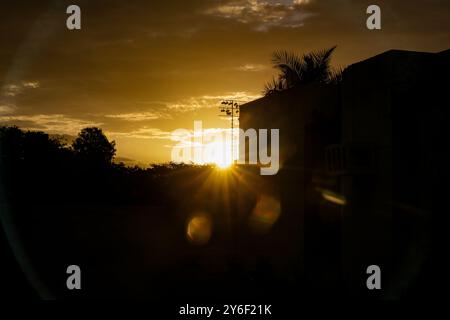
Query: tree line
37, 167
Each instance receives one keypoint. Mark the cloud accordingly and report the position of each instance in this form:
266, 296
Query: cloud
11, 90
31, 84
129, 162
201, 102
191, 139
137, 116
163, 110
14, 89
142, 133
191, 104
184, 138
53, 123
6, 109
264, 14
249, 67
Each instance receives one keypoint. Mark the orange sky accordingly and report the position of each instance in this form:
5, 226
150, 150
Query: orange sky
141, 69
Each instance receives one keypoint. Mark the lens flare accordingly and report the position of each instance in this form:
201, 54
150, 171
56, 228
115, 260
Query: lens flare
266, 212
333, 197
199, 229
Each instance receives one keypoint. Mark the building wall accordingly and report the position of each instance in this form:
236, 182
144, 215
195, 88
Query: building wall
376, 142
307, 120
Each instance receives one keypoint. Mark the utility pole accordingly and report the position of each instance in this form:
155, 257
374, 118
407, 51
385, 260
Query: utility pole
231, 109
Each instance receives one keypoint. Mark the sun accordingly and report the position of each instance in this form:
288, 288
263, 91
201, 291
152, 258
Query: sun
223, 165
218, 153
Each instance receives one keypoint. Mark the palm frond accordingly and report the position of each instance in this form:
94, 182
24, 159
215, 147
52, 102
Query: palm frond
336, 75
295, 69
290, 66
272, 87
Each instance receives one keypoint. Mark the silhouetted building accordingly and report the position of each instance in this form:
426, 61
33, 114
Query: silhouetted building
361, 167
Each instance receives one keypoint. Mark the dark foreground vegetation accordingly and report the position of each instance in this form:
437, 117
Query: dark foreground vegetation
126, 227
132, 230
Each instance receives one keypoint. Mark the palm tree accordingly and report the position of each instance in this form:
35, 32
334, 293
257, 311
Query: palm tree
313, 67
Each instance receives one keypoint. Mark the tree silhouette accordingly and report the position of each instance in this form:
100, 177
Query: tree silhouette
91, 144
294, 69
11, 144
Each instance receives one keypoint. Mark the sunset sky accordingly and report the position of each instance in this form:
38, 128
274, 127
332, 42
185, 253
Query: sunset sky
141, 69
